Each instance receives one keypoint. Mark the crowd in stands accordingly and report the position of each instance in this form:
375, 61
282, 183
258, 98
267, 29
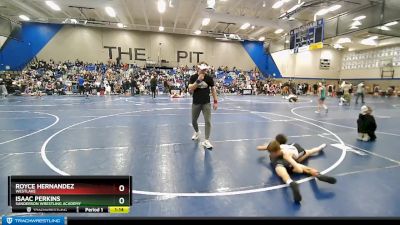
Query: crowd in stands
77, 77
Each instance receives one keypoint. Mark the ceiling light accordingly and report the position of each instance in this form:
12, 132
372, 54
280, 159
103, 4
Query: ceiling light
161, 6
74, 21
171, 3
286, 1
233, 37
120, 25
53, 5
277, 4
291, 18
264, 4
24, 18
391, 23
261, 39
353, 27
197, 32
384, 28
287, 41
344, 40
205, 21
334, 8
356, 23
295, 7
369, 41
373, 37
210, 4
110, 11
322, 12
338, 46
278, 31
245, 26
222, 39
161, 28
252, 27
360, 17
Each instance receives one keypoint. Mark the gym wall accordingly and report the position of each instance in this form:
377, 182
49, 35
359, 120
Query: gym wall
88, 44
373, 73
369, 63
307, 64
2, 41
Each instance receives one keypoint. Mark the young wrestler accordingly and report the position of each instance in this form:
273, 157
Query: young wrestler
297, 152
283, 162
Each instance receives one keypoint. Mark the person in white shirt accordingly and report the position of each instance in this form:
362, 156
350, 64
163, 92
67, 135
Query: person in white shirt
291, 97
68, 83
298, 153
3, 89
108, 89
360, 92
38, 88
346, 93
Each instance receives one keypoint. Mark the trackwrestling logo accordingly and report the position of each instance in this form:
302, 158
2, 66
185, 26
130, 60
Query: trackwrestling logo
33, 220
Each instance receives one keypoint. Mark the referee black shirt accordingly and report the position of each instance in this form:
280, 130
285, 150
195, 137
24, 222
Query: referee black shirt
202, 93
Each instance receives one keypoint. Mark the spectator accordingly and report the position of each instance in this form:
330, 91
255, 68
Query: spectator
153, 86
68, 83
3, 89
49, 89
360, 92
322, 97
366, 125
346, 92
133, 86
315, 87
108, 89
81, 88
87, 87
38, 88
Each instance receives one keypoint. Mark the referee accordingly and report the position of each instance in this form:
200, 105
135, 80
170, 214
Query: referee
200, 85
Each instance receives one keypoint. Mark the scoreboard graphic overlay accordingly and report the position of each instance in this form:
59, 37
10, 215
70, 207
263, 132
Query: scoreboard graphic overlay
70, 194
307, 37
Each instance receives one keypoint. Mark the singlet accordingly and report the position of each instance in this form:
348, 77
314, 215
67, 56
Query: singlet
290, 149
323, 94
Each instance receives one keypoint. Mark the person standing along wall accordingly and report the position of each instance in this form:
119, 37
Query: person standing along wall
315, 88
3, 89
81, 81
153, 85
133, 86
346, 92
322, 97
360, 92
